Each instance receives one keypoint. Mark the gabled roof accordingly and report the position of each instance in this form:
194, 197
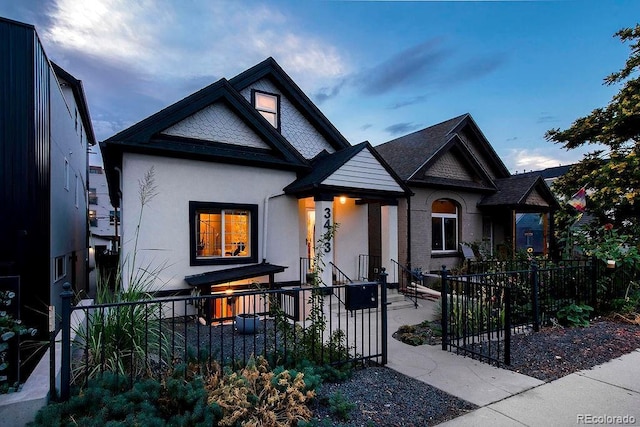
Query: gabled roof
270, 69
324, 165
146, 136
146, 133
480, 180
516, 191
408, 154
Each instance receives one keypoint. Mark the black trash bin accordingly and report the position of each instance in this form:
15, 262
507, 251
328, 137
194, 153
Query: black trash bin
361, 295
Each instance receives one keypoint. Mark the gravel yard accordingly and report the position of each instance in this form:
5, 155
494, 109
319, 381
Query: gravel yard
383, 397
380, 396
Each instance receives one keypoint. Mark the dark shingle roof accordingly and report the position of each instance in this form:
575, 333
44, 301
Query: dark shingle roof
407, 153
514, 190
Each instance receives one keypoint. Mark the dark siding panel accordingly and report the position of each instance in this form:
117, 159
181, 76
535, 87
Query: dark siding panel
24, 166
40, 185
16, 110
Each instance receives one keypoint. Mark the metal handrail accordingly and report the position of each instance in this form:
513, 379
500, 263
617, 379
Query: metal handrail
335, 267
417, 274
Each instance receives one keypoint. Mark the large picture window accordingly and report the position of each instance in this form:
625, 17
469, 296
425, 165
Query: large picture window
444, 226
223, 233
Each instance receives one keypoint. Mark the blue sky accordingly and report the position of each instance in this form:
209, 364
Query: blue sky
377, 69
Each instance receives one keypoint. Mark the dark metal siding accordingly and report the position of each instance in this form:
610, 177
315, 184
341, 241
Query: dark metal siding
24, 165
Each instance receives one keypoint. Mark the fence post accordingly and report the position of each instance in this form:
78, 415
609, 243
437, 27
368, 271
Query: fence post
445, 311
383, 302
595, 276
507, 325
65, 359
535, 288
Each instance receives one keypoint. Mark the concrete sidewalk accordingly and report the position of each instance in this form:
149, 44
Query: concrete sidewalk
506, 398
608, 394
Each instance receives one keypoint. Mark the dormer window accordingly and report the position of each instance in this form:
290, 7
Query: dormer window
267, 105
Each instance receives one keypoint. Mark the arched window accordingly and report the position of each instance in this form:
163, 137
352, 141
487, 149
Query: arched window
444, 226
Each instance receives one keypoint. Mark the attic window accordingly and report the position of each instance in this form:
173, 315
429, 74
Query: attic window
267, 105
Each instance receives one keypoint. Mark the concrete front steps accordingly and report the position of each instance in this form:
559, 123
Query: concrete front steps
395, 300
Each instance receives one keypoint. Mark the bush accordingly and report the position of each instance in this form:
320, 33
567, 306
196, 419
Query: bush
575, 315
257, 396
108, 400
194, 394
340, 407
10, 331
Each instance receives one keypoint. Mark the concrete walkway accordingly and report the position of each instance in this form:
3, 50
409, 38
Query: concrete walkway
595, 396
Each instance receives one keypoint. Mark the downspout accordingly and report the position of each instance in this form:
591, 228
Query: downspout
409, 232
265, 225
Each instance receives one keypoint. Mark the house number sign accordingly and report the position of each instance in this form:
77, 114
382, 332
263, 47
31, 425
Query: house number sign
327, 227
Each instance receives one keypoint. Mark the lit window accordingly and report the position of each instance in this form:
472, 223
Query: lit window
267, 105
223, 233
444, 226
93, 218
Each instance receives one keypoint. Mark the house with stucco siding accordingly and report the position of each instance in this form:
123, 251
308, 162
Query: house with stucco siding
248, 175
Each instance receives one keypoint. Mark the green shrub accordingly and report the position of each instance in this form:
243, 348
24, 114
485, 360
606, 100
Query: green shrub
575, 315
109, 401
340, 407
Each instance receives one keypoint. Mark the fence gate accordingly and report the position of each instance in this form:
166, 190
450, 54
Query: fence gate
476, 316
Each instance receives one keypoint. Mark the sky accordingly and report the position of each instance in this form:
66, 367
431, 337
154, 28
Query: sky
377, 69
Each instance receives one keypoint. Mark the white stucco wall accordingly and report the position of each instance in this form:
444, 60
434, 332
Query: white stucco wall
164, 229
351, 238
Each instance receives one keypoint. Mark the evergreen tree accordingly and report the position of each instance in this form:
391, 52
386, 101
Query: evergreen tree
611, 175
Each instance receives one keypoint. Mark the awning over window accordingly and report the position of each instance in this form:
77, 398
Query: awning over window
236, 273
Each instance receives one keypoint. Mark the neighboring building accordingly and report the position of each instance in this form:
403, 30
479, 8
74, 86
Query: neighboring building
103, 218
248, 174
463, 193
45, 135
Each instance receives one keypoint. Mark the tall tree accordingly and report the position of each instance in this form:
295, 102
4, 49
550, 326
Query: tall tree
611, 173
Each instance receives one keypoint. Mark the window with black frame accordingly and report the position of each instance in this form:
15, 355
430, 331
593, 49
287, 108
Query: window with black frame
223, 233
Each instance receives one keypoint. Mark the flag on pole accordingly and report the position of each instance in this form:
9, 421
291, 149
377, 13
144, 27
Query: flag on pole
579, 200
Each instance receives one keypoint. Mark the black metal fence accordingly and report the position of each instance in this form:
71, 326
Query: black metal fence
147, 337
481, 311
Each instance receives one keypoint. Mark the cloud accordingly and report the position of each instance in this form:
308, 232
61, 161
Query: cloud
408, 102
407, 67
527, 160
401, 128
472, 68
547, 118
326, 93
430, 64
136, 58
162, 39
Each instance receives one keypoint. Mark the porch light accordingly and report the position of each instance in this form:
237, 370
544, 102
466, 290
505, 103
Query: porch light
343, 200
